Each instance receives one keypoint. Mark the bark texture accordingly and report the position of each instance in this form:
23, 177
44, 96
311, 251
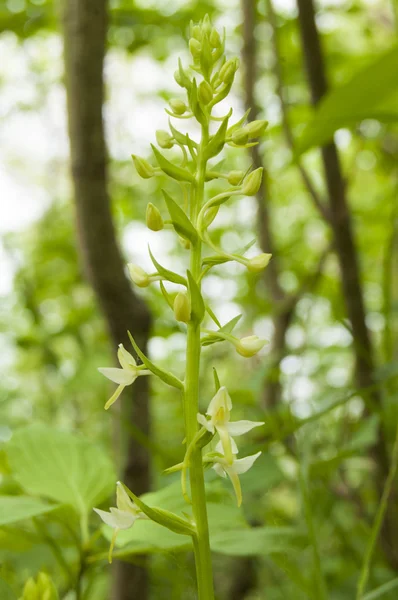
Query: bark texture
85, 27
341, 223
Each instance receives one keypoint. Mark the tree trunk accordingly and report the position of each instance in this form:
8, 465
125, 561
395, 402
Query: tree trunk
85, 27
340, 219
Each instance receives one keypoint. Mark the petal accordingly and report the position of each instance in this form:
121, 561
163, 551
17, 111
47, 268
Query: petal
220, 400
234, 447
207, 424
107, 517
226, 444
124, 501
219, 470
126, 360
120, 376
114, 397
123, 519
244, 464
240, 427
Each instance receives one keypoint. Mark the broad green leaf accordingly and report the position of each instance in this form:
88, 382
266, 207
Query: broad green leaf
197, 303
360, 98
62, 466
181, 223
165, 376
169, 275
171, 169
18, 508
258, 541
6, 592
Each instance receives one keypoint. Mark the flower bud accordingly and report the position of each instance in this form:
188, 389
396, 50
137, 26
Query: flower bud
227, 72
177, 106
30, 590
252, 182
138, 275
258, 263
197, 32
249, 346
205, 92
235, 177
143, 168
195, 48
154, 219
182, 308
164, 139
210, 215
215, 40
178, 78
256, 128
240, 137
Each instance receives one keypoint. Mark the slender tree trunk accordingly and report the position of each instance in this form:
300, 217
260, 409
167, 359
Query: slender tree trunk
85, 26
341, 222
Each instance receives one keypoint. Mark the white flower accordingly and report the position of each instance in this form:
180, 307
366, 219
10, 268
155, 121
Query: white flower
249, 346
219, 412
122, 517
124, 376
238, 466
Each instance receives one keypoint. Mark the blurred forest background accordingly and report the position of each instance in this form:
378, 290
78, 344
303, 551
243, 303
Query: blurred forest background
314, 520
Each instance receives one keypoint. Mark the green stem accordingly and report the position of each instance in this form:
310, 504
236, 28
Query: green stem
191, 404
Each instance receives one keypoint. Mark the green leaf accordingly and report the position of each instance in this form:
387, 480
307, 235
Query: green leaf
165, 376
181, 223
360, 98
258, 541
179, 137
6, 592
166, 295
18, 508
227, 328
169, 275
62, 466
171, 169
197, 303
217, 384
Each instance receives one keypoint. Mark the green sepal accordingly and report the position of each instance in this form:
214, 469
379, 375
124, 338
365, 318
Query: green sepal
180, 221
165, 376
163, 517
166, 295
179, 137
217, 384
227, 328
171, 169
169, 275
217, 141
197, 303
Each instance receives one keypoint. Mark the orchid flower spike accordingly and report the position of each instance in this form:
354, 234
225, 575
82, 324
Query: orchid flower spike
219, 412
238, 466
124, 376
122, 517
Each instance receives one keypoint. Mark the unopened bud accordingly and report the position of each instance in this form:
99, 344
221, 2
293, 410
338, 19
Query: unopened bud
164, 139
206, 24
143, 168
30, 590
177, 106
256, 128
252, 182
182, 308
249, 346
195, 48
240, 137
215, 40
178, 78
138, 275
227, 72
258, 263
154, 219
205, 92
197, 32
235, 177
210, 215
